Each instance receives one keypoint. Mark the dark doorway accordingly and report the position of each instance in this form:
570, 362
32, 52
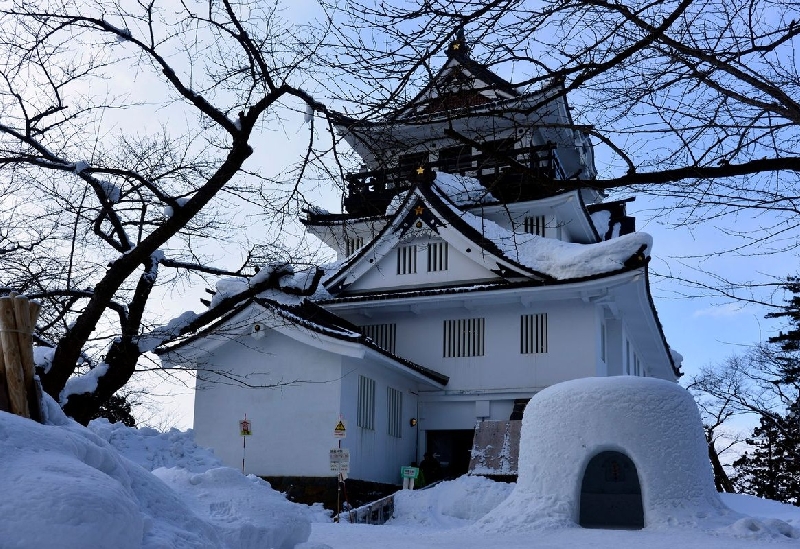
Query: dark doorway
452, 448
611, 496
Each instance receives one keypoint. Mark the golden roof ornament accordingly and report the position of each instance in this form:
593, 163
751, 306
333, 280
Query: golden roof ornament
459, 45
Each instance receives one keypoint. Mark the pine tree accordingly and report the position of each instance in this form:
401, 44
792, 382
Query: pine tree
771, 469
789, 341
116, 409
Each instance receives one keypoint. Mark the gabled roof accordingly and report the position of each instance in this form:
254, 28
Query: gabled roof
511, 256
304, 314
423, 206
462, 82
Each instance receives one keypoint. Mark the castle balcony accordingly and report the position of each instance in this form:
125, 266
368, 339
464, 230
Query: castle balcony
510, 175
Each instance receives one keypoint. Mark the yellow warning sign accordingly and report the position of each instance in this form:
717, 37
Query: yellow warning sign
340, 430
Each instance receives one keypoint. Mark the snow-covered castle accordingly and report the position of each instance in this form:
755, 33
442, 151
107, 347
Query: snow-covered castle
476, 267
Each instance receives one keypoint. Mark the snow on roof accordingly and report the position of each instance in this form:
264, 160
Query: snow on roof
600, 220
462, 190
314, 317
560, 260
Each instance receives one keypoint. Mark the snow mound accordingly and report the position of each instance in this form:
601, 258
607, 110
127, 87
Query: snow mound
245, 511
152, 449
65, 486
765, 508
449, 504
749, 527
86, 493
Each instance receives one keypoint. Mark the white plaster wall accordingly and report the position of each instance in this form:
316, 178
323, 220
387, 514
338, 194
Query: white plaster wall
374, 455
517, 222
572, 345
447, 414
292, 424
461, 268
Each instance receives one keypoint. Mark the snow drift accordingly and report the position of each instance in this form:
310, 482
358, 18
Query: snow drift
64, 486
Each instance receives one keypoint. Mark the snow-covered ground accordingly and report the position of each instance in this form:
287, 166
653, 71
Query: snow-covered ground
64, 486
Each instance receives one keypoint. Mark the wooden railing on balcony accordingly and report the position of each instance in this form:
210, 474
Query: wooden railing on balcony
370, 192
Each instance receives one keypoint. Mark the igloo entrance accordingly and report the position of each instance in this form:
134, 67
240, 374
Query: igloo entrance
611, 496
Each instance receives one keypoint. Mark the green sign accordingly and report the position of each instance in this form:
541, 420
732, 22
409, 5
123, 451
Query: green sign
409, 472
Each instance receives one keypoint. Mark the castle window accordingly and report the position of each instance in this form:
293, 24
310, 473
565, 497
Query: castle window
495, 153
603, 342
410, 162
455, 159
533, 334
535, 225
384, 335
394, 412
366, 403
353, 244
407, 259
463, 337
627, 357
437, 256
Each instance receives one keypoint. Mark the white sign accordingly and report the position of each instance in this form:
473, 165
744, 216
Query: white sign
340, 460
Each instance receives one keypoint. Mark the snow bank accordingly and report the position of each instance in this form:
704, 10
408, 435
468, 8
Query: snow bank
449, 504
153, 449
245, 511
65, 486
654, 422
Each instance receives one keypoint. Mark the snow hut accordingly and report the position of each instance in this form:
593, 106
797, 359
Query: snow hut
612, 452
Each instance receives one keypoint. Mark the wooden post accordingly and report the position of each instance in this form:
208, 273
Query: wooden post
26, 312
5, 406
17, 394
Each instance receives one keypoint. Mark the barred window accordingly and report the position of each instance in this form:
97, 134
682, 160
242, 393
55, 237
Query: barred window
603, 342
394, 412
627, 357
464, 337
533, 334
366, 403
407, 259
384, 335
437, 256
535, 225
353, 244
